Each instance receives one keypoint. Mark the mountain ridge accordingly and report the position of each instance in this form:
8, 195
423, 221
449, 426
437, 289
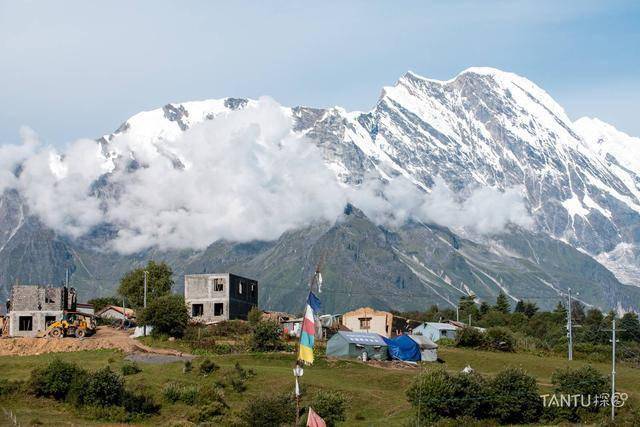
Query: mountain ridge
484, 127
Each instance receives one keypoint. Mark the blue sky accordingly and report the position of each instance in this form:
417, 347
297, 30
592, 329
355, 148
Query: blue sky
74, 69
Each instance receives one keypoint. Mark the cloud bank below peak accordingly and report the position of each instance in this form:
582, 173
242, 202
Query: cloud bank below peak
243, 176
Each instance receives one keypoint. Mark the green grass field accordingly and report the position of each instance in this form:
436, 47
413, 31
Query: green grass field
377, 394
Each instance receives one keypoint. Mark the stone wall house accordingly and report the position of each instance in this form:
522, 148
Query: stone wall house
212, 298
33, 307
366, 319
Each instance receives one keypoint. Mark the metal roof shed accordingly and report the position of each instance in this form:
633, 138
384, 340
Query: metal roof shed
354, 344
428, 349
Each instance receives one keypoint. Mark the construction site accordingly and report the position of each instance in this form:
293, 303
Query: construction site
47, 319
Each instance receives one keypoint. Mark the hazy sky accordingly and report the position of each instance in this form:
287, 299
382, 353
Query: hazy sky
71, 69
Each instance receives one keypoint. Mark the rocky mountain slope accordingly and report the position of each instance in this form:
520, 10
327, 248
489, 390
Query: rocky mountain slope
485, 127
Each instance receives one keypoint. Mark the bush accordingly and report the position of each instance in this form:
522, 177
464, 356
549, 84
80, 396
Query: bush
9, 387
55, 379
167, 314
515, 397
188, 367
266, 337
189, 394
255, 316
586, 381
210, 411
270, 410
208, 367
470, 337
103, 388
439, 394
171, 392
499, 338
130, 369
139, 403
331, 406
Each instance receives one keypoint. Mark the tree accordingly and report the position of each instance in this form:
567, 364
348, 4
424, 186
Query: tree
159, 283
519, 307
167, 314
467, 306
561, 311
530, 308
515, 397
586, 381
499, 338
484, 308
266, 337
502, 303
331, 406
577, 311
254, 316
631, 326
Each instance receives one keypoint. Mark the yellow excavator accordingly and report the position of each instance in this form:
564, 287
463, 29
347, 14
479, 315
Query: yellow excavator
72, 324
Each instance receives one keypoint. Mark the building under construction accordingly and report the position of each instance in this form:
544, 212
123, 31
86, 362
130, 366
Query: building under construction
32, 308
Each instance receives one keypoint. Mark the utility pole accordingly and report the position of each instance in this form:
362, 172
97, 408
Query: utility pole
613, 366
66, 278
146, 273
469, 320
570, 329
457, 313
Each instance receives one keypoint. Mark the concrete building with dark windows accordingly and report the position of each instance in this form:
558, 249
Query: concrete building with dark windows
32, 308
215, 297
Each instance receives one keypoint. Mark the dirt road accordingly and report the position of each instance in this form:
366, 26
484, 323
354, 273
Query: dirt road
105, 338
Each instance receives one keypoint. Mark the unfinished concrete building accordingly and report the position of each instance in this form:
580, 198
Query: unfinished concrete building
215, 297
32, 308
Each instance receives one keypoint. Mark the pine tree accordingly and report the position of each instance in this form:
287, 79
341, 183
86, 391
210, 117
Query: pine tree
502, 303
631, 326
519, 307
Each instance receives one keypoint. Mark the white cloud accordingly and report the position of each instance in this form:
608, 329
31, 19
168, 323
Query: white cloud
245, 176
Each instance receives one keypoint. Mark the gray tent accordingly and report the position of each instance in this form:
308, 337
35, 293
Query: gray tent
354, 344
428, 349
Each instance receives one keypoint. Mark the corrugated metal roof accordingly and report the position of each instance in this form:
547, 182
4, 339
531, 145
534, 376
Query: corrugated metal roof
423, 342
362, 338
441, 326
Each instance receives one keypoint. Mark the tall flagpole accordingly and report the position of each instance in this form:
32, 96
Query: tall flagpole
297, 370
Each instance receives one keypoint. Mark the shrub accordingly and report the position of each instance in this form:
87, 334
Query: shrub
470, 337
55, 379
499, 338
210, 411
9, 387
255, 316
139, 403
331, 406
266, 337
171, 392
130, 369
586, 381
103, 388
515, 397
167, 314
112, 414
189, 394
188, 367
438, 394
208, 367
270, 410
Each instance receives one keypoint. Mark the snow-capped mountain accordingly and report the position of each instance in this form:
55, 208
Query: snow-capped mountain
485, 127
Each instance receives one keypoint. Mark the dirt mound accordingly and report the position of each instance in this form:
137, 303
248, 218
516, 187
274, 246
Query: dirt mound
104, 338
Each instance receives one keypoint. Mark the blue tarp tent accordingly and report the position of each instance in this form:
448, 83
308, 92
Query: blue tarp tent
403, 348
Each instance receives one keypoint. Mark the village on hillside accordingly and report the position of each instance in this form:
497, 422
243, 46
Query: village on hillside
218, 326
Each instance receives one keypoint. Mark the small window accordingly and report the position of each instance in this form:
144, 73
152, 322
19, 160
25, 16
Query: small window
240, 286
49, 300
365, 322
218, 309
197, 310
218, 285
25, 323
49, 320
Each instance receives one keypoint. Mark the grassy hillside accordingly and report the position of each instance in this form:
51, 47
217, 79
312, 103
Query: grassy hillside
377, 394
